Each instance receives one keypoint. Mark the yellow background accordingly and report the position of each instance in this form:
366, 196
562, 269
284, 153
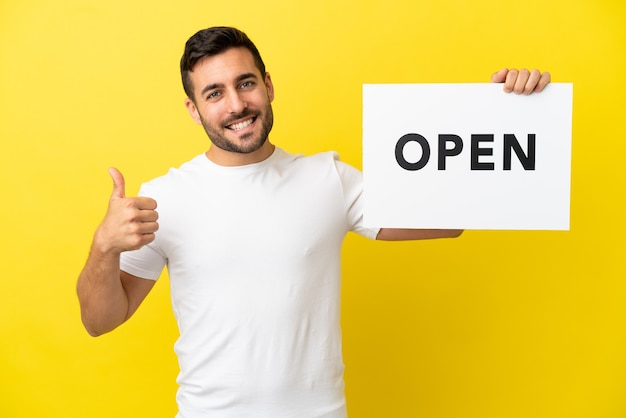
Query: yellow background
494, 324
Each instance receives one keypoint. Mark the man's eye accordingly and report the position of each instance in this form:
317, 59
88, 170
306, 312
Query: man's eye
213, 95
246, 84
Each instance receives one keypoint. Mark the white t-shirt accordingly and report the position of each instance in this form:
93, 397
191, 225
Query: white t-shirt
253, 255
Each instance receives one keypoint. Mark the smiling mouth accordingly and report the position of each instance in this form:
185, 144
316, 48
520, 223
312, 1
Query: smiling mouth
241, 125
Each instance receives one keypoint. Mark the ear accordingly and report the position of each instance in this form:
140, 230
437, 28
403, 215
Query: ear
193, 111
269, 86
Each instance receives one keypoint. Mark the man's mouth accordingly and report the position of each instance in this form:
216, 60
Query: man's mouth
241, 125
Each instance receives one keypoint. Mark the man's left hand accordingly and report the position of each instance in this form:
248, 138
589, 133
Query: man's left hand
521, 81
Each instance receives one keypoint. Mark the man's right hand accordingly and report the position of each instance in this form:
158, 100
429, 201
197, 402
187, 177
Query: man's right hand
130, 222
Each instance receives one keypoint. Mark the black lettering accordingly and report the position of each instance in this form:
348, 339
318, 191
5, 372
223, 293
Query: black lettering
405, 139
477, 151
444, 152
527, 160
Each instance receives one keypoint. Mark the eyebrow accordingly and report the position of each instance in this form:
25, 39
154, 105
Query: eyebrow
239, 78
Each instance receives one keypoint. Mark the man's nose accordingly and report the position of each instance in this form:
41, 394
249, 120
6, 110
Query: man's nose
236, 103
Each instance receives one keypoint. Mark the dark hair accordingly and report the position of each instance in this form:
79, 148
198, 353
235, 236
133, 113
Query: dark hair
210, 42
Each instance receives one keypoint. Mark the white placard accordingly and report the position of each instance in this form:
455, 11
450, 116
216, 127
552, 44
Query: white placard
466, 156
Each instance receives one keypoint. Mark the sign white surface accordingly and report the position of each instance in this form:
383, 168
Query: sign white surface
472, 189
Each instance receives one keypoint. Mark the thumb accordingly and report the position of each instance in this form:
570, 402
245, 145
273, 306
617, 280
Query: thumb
118, 183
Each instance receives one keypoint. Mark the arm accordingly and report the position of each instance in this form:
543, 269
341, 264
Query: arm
108, 296
393, 234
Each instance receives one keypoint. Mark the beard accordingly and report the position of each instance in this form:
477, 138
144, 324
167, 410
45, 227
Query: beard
249, 142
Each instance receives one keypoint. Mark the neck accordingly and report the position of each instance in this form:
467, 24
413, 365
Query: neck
233, 159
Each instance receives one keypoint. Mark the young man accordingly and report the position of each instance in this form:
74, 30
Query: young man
251, 236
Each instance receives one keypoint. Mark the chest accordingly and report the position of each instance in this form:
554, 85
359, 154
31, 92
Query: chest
271, 218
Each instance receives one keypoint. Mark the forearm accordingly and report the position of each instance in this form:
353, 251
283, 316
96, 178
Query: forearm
103, 300
395, 234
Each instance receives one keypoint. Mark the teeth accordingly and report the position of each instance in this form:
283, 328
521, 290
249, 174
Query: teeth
240, 125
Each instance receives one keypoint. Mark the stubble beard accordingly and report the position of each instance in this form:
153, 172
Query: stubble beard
249, 143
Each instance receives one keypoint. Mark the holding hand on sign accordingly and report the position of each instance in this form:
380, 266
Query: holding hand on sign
515, 81
522, 81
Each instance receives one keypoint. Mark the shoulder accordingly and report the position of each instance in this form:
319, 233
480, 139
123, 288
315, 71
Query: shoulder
329, 160
344, 170
175, 178
323, 167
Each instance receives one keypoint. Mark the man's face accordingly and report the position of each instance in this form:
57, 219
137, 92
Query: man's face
232, 101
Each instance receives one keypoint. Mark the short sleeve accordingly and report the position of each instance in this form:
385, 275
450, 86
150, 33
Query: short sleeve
352, 187
147, 262
144, 262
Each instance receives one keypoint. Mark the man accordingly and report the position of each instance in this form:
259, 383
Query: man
251, 236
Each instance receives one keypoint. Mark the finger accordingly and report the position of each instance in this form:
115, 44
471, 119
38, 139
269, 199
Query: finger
532, 82
139, 241
520, 82
144, 228
499, 76
543, 82
147, 216
119, 186
145, 203
147, 238
509, 82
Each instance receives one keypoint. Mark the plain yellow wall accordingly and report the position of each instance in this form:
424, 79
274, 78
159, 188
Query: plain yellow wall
494, 324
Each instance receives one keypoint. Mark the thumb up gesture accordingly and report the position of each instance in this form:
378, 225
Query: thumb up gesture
130, 222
